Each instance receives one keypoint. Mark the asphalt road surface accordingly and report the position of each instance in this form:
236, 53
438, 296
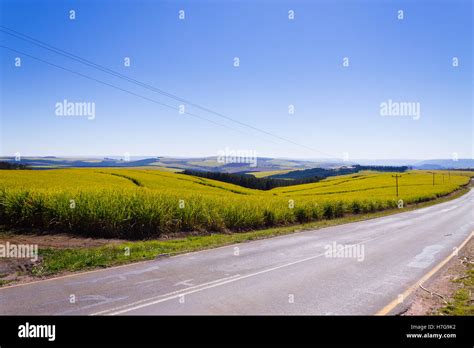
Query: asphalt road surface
356, 268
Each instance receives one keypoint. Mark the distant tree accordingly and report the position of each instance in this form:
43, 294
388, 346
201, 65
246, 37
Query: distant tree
13, 165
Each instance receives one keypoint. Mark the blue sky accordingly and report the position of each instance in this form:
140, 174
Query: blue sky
282, 62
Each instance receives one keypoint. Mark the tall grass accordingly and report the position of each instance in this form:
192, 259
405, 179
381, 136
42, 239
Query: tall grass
118, 208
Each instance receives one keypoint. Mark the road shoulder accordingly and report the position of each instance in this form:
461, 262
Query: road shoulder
449, 291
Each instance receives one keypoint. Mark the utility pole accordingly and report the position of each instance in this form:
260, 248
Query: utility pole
443, 178
396, 176
433, 177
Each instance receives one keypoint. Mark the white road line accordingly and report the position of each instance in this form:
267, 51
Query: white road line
448, 209
178, 292
202, 287
148, 281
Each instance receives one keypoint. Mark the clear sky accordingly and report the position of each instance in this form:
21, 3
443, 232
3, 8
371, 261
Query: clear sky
282, 62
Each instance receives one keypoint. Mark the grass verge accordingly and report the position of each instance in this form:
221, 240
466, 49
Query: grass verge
55, 261
461, 303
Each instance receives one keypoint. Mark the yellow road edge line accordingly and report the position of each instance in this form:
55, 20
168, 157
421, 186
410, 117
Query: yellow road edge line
388, 308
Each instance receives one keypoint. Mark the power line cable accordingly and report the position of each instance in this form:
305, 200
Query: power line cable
89, 63
120, 88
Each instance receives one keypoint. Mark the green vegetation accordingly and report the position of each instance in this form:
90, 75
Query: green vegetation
462, 303
250, 181
297, 177
4, 282
141, 204
265, 174
13, 165
324, 173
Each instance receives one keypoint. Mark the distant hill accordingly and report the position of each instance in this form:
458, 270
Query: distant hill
425, 164
203, 163
445, 164
212, 164
324, 173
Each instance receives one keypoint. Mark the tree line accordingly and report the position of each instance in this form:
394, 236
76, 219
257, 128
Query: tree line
13, 165
250, 181
324, 173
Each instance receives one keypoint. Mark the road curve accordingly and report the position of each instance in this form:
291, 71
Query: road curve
378, 260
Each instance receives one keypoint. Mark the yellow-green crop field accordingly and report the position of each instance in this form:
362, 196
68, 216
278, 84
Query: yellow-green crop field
140, 203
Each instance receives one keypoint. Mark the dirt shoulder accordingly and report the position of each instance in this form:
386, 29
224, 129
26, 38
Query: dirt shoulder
45, 240
449, 291
19, 269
